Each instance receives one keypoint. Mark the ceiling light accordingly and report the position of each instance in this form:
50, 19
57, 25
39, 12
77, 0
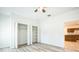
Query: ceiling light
35, 10
40, 9
49, 15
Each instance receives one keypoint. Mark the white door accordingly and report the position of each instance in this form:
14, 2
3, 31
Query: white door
22, 34
34, 34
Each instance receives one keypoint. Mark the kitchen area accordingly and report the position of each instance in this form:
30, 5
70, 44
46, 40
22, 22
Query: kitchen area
71, 35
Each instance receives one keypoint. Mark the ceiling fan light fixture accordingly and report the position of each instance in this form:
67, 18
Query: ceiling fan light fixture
49, 15
43, 10
35, 10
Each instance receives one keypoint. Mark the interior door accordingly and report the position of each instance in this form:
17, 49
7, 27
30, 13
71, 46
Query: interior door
34, 34
22, 34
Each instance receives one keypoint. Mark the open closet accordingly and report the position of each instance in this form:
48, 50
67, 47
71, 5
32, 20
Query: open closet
22, 34
34, 34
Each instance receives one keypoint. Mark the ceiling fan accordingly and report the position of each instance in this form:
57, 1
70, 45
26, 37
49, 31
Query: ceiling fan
42, 9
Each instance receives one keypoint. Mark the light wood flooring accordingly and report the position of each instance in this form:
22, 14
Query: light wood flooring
72, 46
38, 47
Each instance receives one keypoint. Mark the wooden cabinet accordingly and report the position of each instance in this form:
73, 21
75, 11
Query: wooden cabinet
71, 30
73, 34
71, 38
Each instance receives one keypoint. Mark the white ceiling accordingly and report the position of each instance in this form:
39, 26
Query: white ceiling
29, 11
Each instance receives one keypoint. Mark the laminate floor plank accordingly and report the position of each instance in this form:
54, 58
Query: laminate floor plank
37, 47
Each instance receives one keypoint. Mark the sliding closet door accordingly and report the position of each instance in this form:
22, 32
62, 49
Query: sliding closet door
34, 34
22, 34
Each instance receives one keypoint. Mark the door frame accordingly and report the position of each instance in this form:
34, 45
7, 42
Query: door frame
18, 31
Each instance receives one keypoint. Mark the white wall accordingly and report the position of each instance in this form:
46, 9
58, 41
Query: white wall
8, 29
52, 29
5, 31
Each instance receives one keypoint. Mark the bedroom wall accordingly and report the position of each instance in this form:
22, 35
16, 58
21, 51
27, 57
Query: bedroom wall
8, 29
5, 30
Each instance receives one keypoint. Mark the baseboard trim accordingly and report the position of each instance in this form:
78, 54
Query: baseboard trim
53, 46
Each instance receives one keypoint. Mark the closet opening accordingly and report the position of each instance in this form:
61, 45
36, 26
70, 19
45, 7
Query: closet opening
34, 34
22, 34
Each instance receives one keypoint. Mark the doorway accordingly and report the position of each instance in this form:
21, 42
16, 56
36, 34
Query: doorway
22, 34
34, 34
